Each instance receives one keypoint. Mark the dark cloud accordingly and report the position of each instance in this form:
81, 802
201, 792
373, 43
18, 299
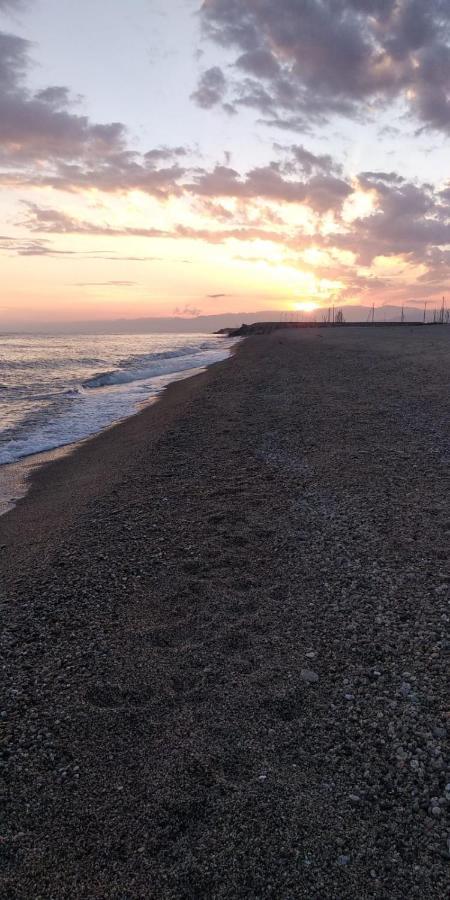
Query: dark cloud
112, 173
309, 58
211, 88
7, 5
321, 191
300, 177
56, 96
409, 220
308, 162
39, 126
43, 142
162, 154
13, 61
217, 296
387, 177
259, 62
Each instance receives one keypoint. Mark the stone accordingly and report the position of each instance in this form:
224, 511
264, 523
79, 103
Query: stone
309, 676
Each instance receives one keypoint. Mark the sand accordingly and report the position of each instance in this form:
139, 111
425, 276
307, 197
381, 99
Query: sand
225, 635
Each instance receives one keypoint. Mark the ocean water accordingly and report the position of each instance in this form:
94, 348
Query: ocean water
56, 390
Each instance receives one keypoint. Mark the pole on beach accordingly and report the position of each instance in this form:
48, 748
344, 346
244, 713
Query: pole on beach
425, 312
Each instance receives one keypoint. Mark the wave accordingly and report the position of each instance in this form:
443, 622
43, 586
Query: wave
53, 364
157, 364
74, 392
73, 411
184, 350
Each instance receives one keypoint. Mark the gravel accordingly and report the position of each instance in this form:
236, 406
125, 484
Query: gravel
164, 590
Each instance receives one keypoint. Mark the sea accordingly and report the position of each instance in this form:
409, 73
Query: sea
57, 390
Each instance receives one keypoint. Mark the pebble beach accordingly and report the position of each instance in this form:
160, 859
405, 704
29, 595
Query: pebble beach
225, 636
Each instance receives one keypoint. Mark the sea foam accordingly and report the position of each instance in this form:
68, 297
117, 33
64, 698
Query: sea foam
68, 403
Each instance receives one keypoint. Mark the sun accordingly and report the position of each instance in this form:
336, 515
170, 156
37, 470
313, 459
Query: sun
306, 306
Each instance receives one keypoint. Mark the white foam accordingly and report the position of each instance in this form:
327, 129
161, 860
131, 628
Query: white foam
90, 409
158, 364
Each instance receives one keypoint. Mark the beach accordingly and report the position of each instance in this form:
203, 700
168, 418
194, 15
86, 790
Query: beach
225, 628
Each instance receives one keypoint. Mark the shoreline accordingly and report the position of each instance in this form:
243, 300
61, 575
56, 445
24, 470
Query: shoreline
16, 477
81, 467
224, 643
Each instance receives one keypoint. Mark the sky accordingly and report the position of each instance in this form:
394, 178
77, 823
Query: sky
178, 157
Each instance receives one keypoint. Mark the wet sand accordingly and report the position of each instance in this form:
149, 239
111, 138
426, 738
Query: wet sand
225, 636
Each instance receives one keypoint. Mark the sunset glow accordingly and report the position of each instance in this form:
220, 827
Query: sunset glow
211, 180
306, 306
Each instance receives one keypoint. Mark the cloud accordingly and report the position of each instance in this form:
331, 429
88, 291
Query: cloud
44, 142
37, 126
218, 296
211, 88
315, 58
84, 284
43, 220
7, 5
52, 221
321, 192
220, 235
162, 154
409, 220
300, 177
187, 310
307, 162
25, 246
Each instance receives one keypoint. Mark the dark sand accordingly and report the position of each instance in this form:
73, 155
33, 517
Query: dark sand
172, 590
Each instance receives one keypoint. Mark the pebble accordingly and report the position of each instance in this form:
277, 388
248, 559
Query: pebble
309, 676
194, 756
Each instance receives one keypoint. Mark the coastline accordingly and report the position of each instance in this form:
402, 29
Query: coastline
224, 635
15, 477
88, 468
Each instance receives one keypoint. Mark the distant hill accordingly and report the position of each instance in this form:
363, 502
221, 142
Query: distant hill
208, 324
